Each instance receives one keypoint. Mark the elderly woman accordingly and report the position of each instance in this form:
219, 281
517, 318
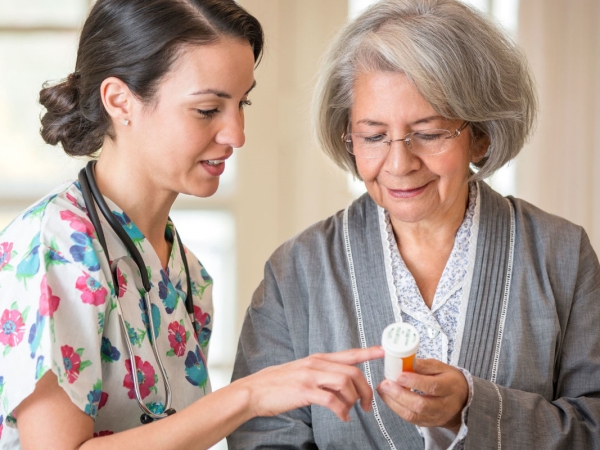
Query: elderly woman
422, 99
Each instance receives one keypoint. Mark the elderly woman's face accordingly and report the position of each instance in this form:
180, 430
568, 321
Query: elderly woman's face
425, 189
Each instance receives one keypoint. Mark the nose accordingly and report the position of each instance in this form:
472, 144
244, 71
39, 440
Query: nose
400, 160
232, 131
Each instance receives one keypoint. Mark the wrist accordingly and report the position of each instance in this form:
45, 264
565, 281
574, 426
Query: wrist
243, 394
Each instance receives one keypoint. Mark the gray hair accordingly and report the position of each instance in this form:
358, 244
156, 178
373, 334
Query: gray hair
458, 60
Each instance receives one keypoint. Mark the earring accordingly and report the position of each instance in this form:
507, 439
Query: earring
125, 122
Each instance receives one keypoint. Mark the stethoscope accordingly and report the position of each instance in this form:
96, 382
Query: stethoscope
91, 193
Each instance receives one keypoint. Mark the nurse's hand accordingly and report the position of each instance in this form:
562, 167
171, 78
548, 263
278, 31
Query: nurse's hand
326, 379
445, 393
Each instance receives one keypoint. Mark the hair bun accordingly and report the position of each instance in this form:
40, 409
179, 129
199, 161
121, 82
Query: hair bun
63, 121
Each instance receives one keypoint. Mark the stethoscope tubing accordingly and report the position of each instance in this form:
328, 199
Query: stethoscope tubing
92, 196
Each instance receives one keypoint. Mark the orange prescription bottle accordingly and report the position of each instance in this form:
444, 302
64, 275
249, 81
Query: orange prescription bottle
400, 342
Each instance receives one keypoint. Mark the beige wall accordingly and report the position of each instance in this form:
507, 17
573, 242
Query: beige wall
287, 183
559, 170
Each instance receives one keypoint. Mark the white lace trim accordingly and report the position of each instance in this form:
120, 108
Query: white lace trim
387, 262
361, 330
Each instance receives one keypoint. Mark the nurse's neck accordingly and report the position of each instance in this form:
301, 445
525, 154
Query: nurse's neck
129, 183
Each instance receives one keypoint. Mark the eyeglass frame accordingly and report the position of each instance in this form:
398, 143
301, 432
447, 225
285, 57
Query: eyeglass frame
406, 139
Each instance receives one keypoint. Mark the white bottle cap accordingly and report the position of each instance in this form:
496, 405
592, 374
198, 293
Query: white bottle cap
400, 340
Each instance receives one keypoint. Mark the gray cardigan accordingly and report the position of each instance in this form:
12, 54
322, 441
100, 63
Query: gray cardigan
531, 338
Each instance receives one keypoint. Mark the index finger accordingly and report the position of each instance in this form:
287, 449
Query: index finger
353, 356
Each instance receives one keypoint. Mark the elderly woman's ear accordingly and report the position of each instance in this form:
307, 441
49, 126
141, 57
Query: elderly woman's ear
479, 148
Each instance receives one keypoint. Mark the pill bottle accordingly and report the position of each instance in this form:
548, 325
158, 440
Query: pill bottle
400, 342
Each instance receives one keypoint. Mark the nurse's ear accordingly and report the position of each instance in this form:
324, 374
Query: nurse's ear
118, 100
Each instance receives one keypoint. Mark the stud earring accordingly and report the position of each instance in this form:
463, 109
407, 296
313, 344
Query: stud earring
125, 122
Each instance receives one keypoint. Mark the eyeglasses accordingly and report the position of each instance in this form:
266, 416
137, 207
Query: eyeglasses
420, 143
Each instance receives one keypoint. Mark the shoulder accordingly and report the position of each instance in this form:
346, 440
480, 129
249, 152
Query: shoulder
50, 235
552, 245
324, 241
62, 208
532, 223
546, 231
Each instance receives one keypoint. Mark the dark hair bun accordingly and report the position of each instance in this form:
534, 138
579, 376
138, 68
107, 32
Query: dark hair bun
63, 121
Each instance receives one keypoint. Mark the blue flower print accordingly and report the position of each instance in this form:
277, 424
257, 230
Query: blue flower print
167, 292
35, 333
53, 256
40, 370
195, 368
203, 334
201, 322
204, 273
108, 353
94, 397
156, 407
136, 337
130, 228
155, 318
83, 251
38, 210
30, 265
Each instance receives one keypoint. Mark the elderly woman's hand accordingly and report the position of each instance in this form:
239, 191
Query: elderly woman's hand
444, 394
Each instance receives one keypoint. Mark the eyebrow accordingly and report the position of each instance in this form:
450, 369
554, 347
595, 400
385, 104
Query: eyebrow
221, 94
375, 123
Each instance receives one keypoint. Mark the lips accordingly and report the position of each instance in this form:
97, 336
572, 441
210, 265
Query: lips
408, 193
215, 167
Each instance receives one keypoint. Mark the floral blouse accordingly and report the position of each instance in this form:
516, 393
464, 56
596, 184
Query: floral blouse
58, 312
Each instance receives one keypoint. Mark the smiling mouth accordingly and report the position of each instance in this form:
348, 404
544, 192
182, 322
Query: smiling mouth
408, 193
214, 162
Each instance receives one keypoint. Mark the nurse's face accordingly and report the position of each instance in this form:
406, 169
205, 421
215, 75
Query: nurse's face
426, 189
184, 137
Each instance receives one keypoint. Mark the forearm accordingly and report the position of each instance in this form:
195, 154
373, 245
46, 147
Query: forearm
500, 416
48, 419
199, 426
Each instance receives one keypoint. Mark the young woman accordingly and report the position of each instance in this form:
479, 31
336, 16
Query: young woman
104, 316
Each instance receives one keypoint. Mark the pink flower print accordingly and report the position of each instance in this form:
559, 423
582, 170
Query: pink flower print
12, 328
5, 250
145, 377
201, 317
177, 338
72, 362
103, 433
92, 292
201, 326
103, 399
78, 223
48, 302
122, 280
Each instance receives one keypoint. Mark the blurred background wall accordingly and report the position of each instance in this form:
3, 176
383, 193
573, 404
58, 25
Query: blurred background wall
280, 183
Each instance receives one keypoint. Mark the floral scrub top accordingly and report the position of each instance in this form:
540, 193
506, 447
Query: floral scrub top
58, 312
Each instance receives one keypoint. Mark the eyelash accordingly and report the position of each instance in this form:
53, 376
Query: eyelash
209, 114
